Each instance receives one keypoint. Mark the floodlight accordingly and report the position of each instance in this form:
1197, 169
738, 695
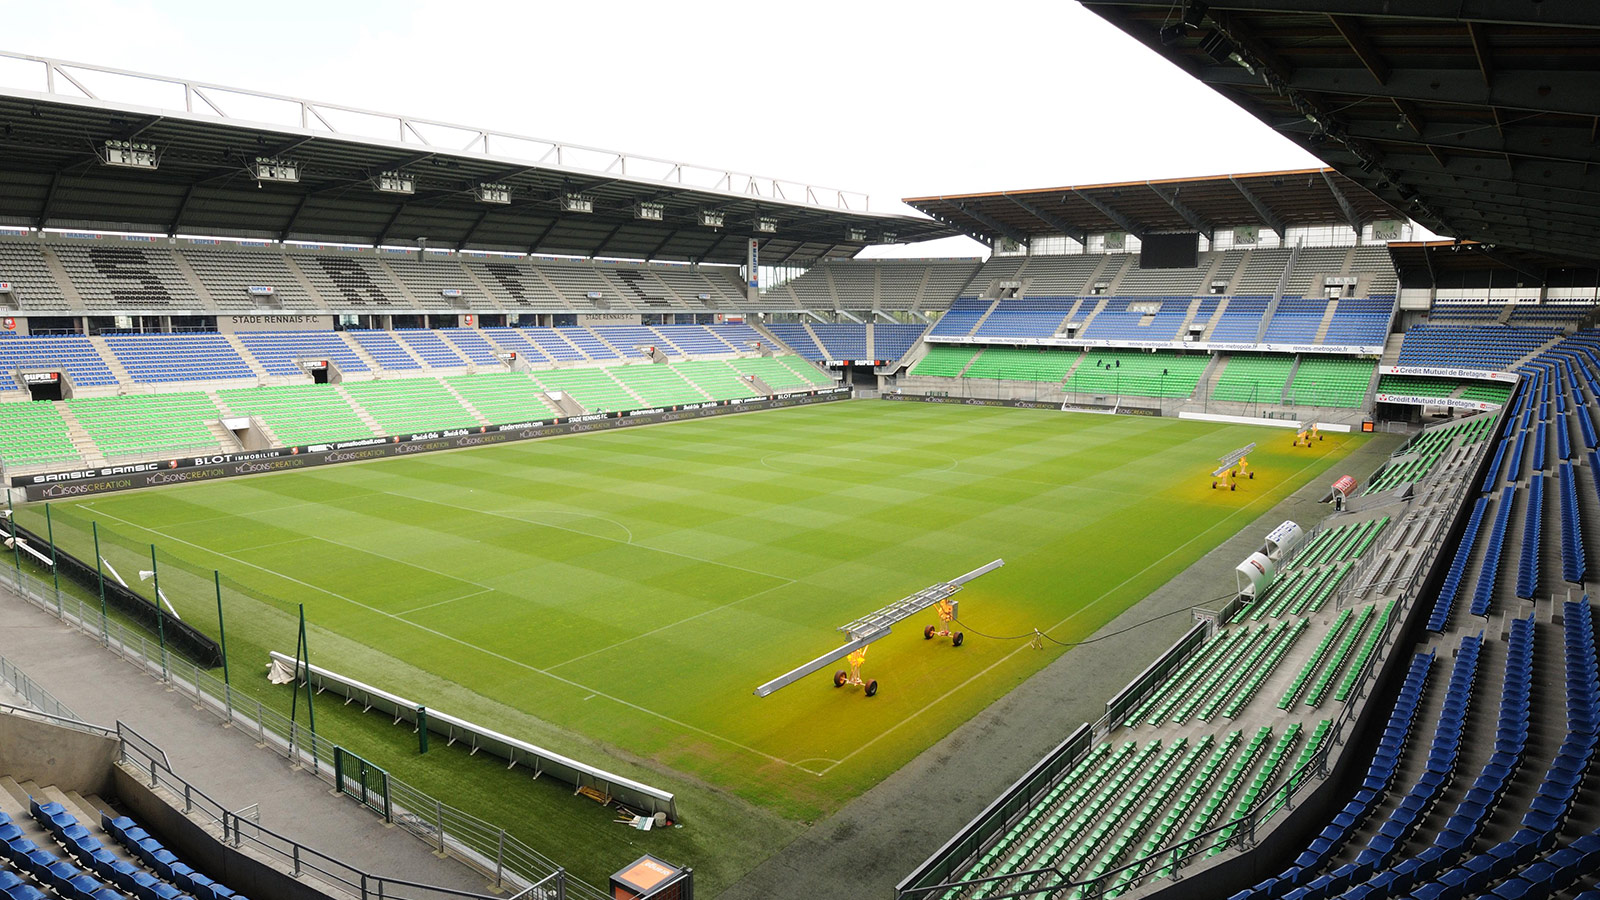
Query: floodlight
856, 235
395, 182
767, 225
577, 203
489, 192
711, 218
130, 155
650, 212
271, 168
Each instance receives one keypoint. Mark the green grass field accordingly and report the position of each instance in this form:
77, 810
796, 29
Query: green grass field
617, 596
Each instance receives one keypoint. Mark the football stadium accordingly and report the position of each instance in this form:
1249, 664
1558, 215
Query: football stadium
430, 512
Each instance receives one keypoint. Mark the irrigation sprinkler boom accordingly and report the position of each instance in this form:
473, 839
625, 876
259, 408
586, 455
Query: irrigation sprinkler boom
873, 626
1232, 459
1226, 471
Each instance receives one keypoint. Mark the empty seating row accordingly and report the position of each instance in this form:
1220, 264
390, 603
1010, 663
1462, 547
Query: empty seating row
1490, 347
70, 354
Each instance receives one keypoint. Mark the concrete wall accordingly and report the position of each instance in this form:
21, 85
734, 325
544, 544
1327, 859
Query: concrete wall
37, 751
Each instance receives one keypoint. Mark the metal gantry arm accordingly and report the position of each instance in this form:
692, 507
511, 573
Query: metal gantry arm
876, 625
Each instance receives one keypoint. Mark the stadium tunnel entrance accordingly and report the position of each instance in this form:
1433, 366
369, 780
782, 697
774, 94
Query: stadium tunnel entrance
45, 385
863, 375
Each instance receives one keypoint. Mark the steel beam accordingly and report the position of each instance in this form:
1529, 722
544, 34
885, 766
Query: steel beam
1528, 91
1574, 13
1350, 28
1112, 213
1268, 217
990, 222
1051, 219
1195, 220
1350, 214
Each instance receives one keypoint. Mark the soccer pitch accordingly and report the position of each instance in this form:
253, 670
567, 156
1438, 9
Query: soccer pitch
617, 596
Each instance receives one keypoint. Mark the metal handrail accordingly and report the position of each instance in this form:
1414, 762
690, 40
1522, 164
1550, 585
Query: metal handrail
505, 859
1295, 784
78, 724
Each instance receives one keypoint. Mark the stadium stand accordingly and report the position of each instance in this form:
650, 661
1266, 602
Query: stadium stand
1019, 364
351, 281
1253, 378
502, 398
1489, 347
1114, 320
278, 351
408, 405
1241, 319
840, 341
959, 321
594, 389
147, 423
1296, 320
944, 362
1331, 381
1025, 319
383, 347
427, 277
1161, 374
121, 275
471, 344
228, 275
299, 413
891, 341
153, 358
658, 385
430, 347
799, 339
781, 375
631, 341
34, 433
74, 356
1361, 321
23, 266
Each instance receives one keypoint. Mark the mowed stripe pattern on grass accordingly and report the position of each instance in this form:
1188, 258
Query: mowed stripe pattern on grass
634, 586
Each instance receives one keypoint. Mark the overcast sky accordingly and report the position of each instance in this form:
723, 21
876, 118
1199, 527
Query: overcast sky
891, 99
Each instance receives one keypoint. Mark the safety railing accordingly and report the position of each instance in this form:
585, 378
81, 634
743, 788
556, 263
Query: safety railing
1242, 831
242, 830
502, 857
631, 793
33, 693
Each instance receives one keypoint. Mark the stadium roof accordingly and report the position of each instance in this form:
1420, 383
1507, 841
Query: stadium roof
1479, 118
1274, 199
52, 135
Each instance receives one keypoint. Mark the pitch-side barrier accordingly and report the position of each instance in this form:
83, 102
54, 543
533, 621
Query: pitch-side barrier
632, 794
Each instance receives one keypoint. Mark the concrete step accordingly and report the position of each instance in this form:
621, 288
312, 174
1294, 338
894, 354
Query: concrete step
451, 390
360, 411
112, 363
